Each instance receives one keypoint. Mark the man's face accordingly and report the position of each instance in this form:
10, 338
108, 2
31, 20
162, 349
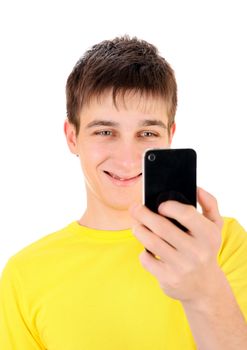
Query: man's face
111, 143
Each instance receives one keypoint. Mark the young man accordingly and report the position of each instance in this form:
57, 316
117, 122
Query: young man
91, 285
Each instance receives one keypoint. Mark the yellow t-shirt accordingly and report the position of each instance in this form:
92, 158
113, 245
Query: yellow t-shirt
80, 288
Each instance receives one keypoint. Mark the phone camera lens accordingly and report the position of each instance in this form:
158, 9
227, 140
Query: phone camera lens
151, 157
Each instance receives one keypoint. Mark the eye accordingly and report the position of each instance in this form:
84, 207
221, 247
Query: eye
103, 133
149, 134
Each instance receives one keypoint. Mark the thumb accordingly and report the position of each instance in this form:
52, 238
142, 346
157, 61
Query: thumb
209, 207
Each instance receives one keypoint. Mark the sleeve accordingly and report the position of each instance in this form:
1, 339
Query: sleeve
15, 330
233, 260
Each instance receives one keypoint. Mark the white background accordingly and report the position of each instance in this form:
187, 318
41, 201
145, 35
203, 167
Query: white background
41, 187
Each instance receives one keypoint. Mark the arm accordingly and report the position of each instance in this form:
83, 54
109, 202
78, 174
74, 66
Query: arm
187, 269
16, 333
218, 323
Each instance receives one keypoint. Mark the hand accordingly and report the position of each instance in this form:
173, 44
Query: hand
185, 264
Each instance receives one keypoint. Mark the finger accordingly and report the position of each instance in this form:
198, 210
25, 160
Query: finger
162, 227
209, 207
151, 264
155, 244
187, 215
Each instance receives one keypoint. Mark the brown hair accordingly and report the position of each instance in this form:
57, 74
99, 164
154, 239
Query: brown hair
122, 65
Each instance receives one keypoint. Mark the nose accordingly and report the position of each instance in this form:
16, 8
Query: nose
127, 156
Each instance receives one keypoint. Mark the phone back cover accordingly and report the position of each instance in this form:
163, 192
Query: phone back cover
172, 175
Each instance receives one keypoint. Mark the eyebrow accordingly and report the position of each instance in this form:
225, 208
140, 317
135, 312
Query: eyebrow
145, 122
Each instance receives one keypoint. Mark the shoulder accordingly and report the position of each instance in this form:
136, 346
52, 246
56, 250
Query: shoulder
40, 250
232, 230
234, 243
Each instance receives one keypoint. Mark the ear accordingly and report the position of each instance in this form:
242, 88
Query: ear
172, 131
70, 134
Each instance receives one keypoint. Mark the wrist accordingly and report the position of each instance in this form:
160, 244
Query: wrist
215, 296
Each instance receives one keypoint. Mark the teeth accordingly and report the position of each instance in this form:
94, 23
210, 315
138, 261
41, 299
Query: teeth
120, 178
117, 177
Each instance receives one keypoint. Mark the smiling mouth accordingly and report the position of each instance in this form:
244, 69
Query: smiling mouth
114, 176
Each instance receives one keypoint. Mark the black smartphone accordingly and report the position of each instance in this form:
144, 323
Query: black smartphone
169, 174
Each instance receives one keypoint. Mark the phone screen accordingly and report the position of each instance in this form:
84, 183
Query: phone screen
169, 174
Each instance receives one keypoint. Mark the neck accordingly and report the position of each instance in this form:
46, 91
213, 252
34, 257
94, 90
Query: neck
102, 217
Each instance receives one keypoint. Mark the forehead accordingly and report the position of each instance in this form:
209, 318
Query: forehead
130, 101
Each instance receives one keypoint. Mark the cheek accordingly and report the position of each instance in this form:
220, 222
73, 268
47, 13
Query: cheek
93, 154
164, 143
160, 143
